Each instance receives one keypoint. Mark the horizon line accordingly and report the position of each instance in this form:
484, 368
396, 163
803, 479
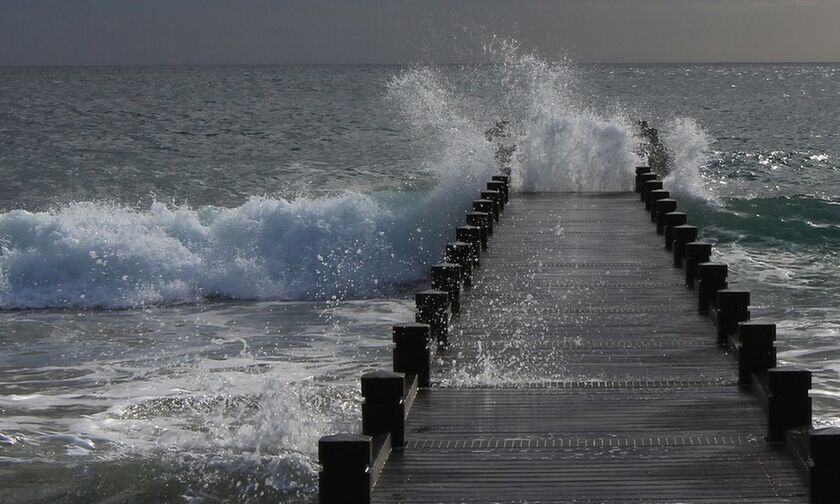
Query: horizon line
453, 63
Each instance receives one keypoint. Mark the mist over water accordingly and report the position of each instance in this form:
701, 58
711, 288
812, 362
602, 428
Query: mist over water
216, 259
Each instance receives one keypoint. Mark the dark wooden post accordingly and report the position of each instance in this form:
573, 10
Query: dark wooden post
695, 253
496, 199
653, 199
432, 307
711, 277
501, 187
672, 220
641, 179
460, 253
486, 206
788, 404
758, 350
824, 465
482, 221
664, 206
412, 351
471, 235
682, 235
640, 170
732, 307
383, 408
447, 277
506, 180
345, 468
650, 185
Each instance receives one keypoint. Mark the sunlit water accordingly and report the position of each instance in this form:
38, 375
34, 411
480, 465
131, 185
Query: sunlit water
198, 263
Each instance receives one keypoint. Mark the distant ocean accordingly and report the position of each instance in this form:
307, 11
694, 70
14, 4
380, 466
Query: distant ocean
197, 263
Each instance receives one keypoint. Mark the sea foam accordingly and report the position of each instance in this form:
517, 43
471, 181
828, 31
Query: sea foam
352, 245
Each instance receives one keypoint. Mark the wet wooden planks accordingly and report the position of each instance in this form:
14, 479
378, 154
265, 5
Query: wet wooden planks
580, 371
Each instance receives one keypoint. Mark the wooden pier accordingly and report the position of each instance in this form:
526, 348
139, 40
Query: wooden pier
638, 376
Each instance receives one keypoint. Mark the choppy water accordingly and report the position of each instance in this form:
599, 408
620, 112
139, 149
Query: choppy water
198, 263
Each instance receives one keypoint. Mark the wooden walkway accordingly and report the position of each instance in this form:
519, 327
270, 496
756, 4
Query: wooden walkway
605, 384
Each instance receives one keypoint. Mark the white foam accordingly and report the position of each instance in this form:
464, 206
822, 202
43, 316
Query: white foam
691, 150
349, 246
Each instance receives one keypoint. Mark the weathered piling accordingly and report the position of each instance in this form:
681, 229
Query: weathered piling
484, 222
672, 220
432, 307
788, 405
345, 475
711, 277
501, 188
488, 207
471, 235
664, 206
647, 188
756, 350
460, 253
731, 307
695, 253
496, 198
412, 351
642, 170
383, 409
448, 277
824, 465
654, 198
505, 179
682, 235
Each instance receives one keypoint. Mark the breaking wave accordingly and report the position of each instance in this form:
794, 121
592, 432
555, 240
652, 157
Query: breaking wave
353, 245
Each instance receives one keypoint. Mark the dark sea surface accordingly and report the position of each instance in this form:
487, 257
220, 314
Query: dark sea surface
197, 263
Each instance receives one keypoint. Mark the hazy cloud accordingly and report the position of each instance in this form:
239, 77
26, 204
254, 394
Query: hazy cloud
397, 31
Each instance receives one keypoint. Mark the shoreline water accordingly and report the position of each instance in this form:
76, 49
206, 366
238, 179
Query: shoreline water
94, 392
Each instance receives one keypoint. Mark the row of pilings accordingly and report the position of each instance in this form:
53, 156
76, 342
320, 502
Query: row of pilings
351, 463
782, 390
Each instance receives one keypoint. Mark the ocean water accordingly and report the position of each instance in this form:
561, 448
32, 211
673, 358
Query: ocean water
197, 263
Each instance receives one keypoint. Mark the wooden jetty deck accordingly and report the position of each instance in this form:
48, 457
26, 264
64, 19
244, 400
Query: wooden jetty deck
608, 383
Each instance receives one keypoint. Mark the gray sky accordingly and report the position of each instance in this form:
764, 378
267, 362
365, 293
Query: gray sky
398, 31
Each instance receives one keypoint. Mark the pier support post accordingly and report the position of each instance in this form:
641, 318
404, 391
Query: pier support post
824, 465
711, 277
695, 253
664, 206
682, 235
506, 180
432, 307
471, 235
650, 185
482, 221
447, 277
672, 220
501, 187
788, 404
486, 206
383, 408
653, 199
345, 468
644, 177
412, 351
757, 351
460, 253
641, 170
732, 307
496, 198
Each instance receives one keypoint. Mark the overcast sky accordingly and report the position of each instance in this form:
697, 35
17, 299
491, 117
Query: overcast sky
400, 31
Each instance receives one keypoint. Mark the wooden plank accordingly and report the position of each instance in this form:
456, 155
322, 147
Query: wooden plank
598, 380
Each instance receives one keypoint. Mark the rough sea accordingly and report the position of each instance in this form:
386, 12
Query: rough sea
197, 263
